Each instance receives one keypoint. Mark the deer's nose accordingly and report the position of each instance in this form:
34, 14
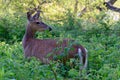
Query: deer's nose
50, 29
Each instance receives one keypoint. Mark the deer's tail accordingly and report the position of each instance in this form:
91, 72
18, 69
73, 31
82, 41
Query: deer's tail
82, 52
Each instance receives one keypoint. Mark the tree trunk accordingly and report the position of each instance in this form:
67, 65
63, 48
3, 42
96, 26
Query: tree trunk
76, 7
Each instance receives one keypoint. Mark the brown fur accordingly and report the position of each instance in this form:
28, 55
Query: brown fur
40, 48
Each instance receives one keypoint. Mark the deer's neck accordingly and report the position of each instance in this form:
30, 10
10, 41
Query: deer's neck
29, 32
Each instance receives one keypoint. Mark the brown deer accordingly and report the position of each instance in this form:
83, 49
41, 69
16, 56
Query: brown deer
40, 48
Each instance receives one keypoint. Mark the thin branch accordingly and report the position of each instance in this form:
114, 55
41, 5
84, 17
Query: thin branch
54, 72
111, 7
112, 2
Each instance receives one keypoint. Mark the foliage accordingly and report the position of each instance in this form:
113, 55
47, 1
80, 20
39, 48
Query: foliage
103, 61
12, 28
96, 31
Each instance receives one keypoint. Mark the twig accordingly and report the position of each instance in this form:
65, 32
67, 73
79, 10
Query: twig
55, 75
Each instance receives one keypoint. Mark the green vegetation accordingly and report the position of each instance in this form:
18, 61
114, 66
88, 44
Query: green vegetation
95, 30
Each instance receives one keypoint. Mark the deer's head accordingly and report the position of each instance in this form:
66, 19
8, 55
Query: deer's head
35, 24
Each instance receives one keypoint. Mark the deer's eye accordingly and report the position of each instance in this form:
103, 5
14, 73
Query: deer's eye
37, 22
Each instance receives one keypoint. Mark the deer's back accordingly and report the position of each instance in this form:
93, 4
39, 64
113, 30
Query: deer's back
41, 48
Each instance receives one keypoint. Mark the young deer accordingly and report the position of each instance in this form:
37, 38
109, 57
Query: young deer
40, 48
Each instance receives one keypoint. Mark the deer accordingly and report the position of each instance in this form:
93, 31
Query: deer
40, 48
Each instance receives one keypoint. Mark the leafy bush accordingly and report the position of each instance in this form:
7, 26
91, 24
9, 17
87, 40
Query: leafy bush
103, 61
12, 28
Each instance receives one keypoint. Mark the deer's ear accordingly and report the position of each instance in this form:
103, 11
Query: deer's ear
36, 16
28, 16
